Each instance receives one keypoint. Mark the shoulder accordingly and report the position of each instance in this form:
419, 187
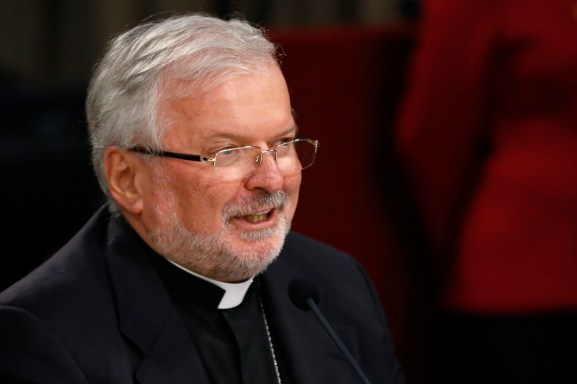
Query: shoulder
310, 254
299, 246
52, 314
328, 266
73, 281
31, 352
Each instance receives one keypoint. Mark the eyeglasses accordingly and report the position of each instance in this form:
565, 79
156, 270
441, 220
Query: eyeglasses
240, 162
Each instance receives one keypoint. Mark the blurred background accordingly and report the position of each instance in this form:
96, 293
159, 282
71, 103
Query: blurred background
447, 165
56, 42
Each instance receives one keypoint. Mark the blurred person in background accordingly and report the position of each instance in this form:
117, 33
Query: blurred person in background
487, 135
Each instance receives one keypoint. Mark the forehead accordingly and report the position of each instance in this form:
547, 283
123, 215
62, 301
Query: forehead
247, 105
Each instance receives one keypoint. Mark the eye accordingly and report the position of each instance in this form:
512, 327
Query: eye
230, 156
285, 140
226, 151
221, 149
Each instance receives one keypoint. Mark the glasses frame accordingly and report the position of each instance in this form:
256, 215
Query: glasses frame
208, 159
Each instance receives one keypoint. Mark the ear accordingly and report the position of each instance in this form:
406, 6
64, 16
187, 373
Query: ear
122, 172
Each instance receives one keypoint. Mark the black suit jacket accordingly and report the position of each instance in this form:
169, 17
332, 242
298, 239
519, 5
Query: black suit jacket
97, 312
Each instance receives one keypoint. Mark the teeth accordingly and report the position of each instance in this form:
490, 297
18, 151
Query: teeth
257, 217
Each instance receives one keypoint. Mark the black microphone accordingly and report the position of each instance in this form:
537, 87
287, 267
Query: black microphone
305, 294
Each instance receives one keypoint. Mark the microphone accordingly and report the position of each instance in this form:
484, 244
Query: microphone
305, 294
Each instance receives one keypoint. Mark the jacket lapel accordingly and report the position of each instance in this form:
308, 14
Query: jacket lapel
170, 360
313, 356
147, 316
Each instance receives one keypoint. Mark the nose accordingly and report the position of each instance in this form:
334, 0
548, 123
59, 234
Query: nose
267, 175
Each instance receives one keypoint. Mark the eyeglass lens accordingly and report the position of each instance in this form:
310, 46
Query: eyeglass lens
291, 158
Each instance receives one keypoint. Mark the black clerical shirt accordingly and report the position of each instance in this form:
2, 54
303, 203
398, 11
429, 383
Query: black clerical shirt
233, 343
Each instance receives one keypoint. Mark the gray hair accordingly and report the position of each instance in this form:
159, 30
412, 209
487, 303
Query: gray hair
128, 83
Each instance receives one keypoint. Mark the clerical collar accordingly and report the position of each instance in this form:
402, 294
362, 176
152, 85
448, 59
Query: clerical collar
233, 292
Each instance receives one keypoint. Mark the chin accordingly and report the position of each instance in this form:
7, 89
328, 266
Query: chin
259, 247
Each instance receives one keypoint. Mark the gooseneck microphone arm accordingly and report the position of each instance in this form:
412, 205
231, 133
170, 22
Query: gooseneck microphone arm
305, 295
337, 340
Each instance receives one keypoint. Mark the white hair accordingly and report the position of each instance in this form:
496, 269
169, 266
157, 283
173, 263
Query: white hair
122, 105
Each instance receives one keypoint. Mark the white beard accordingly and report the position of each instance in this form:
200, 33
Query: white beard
227, 255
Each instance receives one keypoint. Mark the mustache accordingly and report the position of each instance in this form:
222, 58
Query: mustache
258, 202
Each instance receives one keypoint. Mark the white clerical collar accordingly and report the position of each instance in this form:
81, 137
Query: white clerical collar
233, 292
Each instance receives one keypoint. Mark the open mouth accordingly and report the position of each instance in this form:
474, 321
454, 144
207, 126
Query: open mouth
257, 217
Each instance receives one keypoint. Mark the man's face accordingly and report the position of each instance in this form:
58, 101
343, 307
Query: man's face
226, 230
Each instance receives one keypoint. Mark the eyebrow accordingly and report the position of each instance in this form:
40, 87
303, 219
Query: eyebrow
292, 130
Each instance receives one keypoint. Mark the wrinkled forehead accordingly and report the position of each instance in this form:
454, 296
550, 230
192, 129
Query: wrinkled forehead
248, 104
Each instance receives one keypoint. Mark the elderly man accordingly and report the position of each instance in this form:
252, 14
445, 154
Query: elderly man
184, 277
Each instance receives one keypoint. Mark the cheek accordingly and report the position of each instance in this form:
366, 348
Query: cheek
200, 202
292, 188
